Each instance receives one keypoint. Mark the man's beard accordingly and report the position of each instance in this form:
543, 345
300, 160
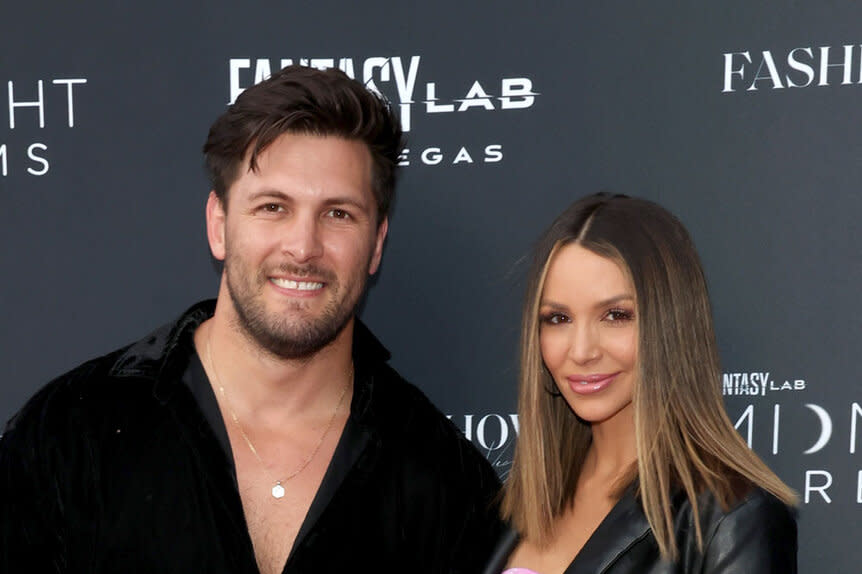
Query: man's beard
301, 337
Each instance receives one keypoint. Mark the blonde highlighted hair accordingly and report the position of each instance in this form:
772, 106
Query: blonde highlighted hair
683, 435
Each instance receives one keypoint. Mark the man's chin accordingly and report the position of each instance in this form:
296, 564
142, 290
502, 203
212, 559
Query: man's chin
297, 340
298, 346
288, 327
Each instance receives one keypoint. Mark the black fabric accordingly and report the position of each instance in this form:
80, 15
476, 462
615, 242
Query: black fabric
195, 378
757, 535
115, 467
350, 444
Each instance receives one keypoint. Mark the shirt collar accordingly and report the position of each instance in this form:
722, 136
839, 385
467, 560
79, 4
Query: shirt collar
163, 356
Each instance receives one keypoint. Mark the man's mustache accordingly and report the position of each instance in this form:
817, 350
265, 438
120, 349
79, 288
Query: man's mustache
310, 270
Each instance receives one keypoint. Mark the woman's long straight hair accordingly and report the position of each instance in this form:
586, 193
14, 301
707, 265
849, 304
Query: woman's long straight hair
683, 436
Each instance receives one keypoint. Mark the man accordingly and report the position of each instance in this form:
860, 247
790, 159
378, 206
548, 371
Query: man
264, 431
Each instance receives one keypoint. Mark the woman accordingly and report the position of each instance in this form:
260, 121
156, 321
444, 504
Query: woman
626, 460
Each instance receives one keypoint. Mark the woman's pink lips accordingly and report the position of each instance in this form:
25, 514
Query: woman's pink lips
589, 384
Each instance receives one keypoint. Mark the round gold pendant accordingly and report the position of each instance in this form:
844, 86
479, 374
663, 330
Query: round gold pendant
278, 490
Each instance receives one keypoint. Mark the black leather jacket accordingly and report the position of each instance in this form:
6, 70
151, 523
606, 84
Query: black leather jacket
755, 536
113, 468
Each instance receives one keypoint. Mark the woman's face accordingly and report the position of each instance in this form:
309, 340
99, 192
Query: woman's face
589, 333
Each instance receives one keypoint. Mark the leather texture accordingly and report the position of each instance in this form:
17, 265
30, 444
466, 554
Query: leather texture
113, 468
756, 536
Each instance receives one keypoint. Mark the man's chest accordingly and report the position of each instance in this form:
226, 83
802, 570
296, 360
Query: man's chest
274, 508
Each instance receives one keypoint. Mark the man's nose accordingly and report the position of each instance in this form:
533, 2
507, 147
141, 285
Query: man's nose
301, 237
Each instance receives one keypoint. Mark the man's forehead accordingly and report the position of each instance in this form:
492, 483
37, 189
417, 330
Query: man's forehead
327, 166
296, 141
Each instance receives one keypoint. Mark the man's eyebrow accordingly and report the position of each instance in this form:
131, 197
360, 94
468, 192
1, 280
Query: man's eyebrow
278, 194
273, 193
346, 200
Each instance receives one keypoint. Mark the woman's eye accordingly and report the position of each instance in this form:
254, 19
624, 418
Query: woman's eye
554, 318
618, 315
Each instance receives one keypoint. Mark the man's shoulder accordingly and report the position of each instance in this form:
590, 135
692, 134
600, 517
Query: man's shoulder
401, 406
386, 398
86, 387
112, 383
410, 423
438, 472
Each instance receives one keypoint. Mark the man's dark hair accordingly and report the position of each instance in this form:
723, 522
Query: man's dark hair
305, 100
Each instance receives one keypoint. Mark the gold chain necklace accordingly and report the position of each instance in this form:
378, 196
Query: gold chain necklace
277, 489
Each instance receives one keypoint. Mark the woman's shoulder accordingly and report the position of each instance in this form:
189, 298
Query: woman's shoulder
756, 507
757, 531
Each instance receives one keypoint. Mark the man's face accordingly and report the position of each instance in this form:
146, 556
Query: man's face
299, 238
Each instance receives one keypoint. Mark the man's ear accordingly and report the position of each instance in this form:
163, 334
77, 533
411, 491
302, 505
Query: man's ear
382, 230
216, 225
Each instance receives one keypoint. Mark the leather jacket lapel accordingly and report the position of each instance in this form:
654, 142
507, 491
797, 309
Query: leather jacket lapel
502, 551
624, 525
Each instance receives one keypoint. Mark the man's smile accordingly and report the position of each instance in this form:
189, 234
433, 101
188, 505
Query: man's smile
296, 285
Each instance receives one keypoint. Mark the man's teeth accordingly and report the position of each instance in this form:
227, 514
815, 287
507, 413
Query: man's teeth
298, 285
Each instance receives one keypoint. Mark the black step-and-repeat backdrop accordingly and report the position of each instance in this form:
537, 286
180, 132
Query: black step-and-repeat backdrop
741, 117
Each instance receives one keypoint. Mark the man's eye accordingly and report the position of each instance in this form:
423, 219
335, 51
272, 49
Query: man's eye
271, 207
338, 214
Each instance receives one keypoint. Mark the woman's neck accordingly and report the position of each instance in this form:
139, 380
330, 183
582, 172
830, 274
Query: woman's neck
613, 449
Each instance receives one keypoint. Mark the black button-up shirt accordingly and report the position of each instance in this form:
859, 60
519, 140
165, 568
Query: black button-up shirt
120, 465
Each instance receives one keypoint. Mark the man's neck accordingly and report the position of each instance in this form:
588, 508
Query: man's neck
267, 388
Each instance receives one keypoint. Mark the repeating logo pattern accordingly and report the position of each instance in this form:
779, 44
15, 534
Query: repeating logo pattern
418, 99
33, 106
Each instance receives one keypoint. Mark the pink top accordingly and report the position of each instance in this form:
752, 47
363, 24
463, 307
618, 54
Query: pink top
519, 571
